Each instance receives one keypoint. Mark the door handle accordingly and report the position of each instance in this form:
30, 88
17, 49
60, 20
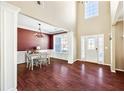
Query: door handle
96, 48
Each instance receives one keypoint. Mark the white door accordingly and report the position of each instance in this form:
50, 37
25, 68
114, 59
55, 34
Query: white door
92, 48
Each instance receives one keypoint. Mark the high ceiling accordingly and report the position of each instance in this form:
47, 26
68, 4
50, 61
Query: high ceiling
32, 24
60, 14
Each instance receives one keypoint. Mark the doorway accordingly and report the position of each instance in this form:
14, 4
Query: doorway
92, 48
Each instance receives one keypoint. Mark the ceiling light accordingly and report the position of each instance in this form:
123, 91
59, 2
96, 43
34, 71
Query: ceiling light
39, 34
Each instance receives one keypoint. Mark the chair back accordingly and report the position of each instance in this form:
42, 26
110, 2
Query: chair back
43, 55
28, 56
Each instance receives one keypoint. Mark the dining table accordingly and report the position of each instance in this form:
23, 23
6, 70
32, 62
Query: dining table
34, 56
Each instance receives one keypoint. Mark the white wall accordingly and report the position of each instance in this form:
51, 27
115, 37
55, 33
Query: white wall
100, 24
117, 14
117, 11
21, 57
113, 6
119, 59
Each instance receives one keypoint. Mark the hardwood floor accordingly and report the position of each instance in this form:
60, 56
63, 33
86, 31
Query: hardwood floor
60, 75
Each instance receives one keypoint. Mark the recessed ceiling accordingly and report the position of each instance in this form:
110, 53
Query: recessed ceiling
32, 24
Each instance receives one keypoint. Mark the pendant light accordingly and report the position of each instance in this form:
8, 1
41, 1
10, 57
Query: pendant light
39, 34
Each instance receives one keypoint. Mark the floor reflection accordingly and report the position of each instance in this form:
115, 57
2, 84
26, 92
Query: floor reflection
100, 74
64, 71
82, 69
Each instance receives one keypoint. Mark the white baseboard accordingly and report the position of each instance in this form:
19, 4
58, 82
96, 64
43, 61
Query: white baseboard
60, 58
120, 70
102, 64
113, 71
12, 89
93, 62
107, 64
20, 62
76, 60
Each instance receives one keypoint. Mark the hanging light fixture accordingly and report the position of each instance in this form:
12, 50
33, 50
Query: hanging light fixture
41, 3
39, 34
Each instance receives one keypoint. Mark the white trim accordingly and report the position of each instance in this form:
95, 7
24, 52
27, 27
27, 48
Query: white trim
70, 63
112, 44
32, 29
93, 62
21, 62
119, 70
119, 13
9, 6
29, 28
113, 71
87, 61
58, 58
75, 60
12, 89
78, 60
107, 64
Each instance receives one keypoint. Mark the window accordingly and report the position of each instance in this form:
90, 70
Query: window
91, 44
60, 43
91, 9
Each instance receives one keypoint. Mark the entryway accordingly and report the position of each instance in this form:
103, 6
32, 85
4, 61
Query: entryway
92, 48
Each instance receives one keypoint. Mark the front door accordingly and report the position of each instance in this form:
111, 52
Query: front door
92, 48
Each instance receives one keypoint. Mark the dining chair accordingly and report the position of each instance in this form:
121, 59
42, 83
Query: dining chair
28, 60
48, 59
42, 59
34, 60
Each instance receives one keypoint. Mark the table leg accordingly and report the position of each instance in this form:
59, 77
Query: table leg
48, 60
26, 60
32, 64
27, 64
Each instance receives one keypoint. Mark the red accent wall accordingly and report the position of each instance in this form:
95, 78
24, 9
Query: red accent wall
27, 40
50, 41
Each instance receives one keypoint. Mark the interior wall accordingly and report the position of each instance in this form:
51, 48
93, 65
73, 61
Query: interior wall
95, 25
119, 46
27, 40
123, 38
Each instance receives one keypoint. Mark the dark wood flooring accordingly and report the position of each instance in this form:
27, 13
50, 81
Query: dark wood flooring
59, 76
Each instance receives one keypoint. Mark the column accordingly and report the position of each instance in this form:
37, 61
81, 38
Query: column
8, 46
71, 47
113, 47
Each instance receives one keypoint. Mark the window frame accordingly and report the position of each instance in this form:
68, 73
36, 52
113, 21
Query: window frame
87, 10
54, 47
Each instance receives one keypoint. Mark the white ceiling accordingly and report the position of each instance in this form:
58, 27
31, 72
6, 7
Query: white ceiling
117, 11
120, 11
32, 24
61, 14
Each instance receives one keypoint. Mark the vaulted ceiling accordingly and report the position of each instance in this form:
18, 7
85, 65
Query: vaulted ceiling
60, 14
